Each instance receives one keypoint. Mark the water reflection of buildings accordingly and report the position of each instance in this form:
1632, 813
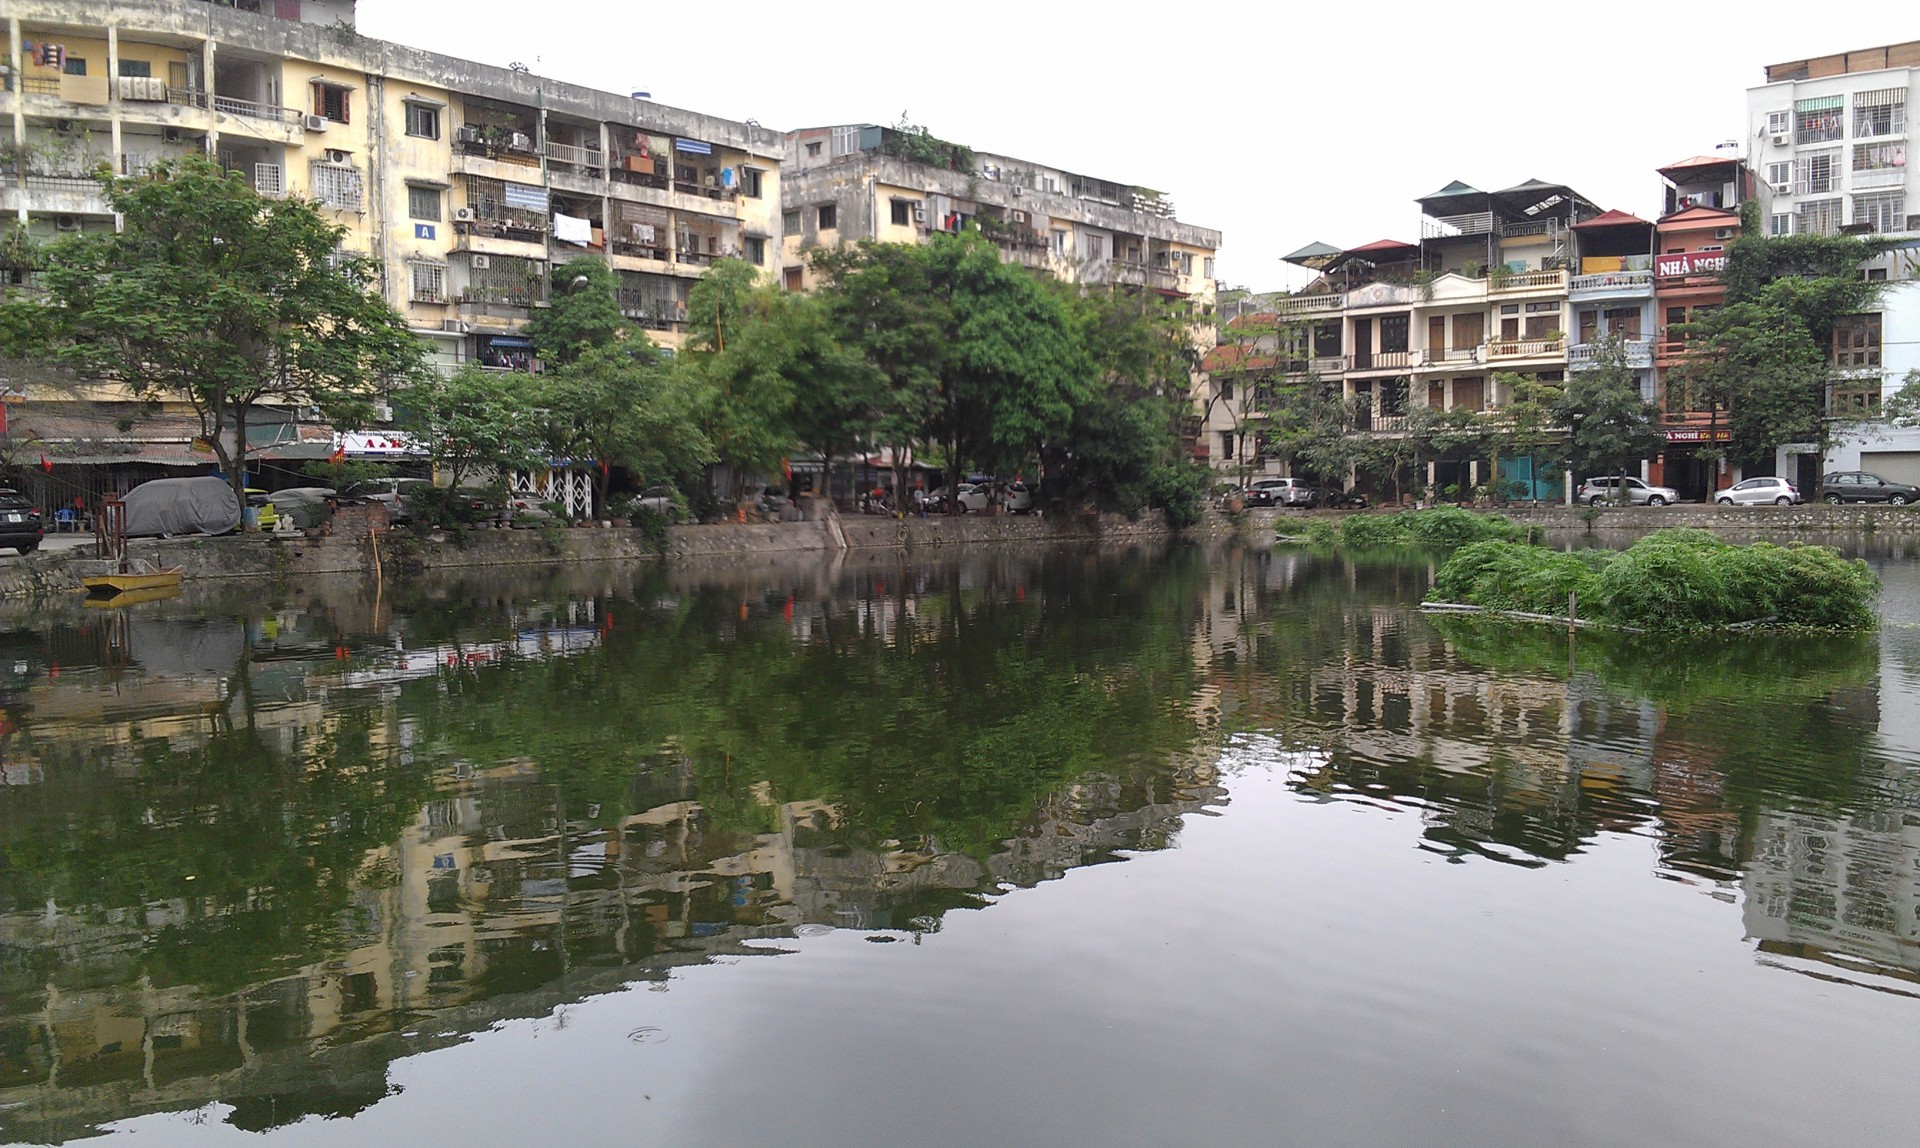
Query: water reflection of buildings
507, 897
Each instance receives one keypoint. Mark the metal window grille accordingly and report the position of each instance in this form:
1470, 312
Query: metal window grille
1884, 212
1818, 120
1819, 217
269, 180
1819, 173
336, 186
1879, 156
429, 282
505, 279
1880, 113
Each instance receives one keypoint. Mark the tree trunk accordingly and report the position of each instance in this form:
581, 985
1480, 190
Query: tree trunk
237, 466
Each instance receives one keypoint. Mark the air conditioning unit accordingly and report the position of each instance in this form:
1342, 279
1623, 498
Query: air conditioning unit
919, 211
454, 326
1019, 217
1783, 189
1781, 139
335, 155
66, 223
382, 412
463, 214
520, 141
1723, 233
480, 262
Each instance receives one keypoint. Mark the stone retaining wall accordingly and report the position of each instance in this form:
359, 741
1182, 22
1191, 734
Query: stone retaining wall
1813, 517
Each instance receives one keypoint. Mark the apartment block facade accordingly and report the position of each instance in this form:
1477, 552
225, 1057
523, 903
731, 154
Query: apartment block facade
851, 182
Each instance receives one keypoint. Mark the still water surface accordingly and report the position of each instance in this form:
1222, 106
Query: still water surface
1055, 847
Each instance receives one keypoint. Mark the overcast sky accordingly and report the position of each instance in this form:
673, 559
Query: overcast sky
1276, 123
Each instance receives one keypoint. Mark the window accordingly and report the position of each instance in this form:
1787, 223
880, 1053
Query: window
1393, 334
1874, 275
1542, 320
1059, 241
1818, 120
1819, 173
429, 282
1624, 322
1096, 248
332, 101
423, 203
828, 218
903, 213
790, 222
74, 66
1880, 113
1888, 157
1856, 341
1206, 267
141, 68
750, 182
813, 149
1226, 444
756, 250
1469, 330
1780, 224
423, 121
1226, 390
1780, 175
1779, 123
1885, 212
335, 186
1821, 217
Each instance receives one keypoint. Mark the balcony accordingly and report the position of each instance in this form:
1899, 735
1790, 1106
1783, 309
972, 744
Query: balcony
1450, 357
652, 311
1450, 226
1310, 304
1612, 285
1639, 354
248, 109
1510, 350
589, 159
1383, 361
1868, 178
1519, 281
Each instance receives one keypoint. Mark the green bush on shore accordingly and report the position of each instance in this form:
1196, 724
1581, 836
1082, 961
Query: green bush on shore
1669, 580
1442, 527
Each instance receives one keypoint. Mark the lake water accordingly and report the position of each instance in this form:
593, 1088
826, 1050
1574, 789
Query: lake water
1029, 847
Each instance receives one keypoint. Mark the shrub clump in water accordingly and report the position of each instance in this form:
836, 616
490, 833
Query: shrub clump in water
1669, 580
1442, 527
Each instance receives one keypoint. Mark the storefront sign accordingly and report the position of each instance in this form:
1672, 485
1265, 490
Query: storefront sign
1689, 263
1699, 434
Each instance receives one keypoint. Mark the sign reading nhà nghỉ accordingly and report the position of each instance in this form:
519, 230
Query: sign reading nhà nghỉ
1685, 263
1699, 434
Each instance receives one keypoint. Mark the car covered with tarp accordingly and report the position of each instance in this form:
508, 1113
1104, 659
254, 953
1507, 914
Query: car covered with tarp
167, 506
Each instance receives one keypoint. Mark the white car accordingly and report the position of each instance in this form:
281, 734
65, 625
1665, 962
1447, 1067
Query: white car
971, 497
1759, 492
1018, 498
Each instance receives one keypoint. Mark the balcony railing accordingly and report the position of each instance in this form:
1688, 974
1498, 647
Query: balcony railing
577, 156
639, 250
1503, 349
232, 106
1449, 356
1612, 283
1521, 228
1448, 226
1865, 178
1308, 304
1639, 353
523, 230
1382, 360
1528, 281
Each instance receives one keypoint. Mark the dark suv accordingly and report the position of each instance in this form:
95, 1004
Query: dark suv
1864, 486
20, 523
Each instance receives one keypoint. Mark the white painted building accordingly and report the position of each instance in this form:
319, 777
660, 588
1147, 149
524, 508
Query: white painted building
1871, 358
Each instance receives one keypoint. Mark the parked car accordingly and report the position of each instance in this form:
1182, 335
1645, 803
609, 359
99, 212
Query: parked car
524, 513
1283, 492
388, 492
972, 498
1865, 486
483, 505
1595, 491
1759, 492
1017, 498
665, 500
1343, 499
21, 526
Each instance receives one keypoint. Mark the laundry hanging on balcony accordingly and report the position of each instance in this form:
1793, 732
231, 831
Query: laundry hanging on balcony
568, 229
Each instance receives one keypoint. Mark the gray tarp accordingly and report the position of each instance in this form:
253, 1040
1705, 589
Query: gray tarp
308, 506
182, 506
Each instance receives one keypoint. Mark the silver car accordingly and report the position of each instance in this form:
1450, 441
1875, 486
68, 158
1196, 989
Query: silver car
1759, 492
1595, 491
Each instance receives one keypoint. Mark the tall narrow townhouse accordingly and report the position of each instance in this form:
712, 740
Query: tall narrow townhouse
468, 184
1611, 294
1703, 195
1831, 144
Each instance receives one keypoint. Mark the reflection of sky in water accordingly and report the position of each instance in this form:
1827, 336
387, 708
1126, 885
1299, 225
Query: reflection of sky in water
1376, 886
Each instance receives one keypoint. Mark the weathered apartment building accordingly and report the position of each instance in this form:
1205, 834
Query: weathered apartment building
852, 182
466, 182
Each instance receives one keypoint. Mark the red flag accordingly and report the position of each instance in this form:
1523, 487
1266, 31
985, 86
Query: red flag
46, 465
338, 456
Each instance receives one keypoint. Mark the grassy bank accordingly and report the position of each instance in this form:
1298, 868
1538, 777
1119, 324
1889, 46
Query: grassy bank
1443, 527
1669, 580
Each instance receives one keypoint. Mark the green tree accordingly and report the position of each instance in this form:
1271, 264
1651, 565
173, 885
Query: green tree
1609, 425
1764, 357
740, 358
212, 294
1528, 426
473, 423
